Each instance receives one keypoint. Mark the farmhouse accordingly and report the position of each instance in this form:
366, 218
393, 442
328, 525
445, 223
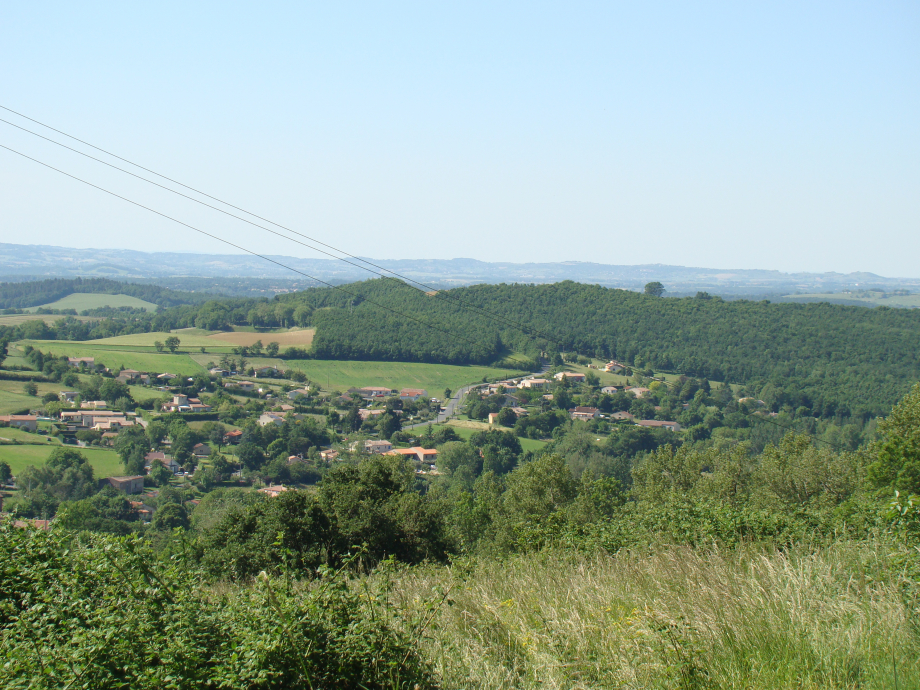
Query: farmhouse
266, 372
572, 376
68, 396
89, 362
328, 455
609, 390
298, 393
27, 422
617, 416
613, 366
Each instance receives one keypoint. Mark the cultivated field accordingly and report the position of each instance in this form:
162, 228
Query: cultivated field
302, 337
87, 300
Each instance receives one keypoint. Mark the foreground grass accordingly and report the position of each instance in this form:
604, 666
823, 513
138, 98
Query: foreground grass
677, 618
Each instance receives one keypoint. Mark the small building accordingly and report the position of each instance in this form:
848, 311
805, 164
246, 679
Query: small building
266, 372
614, 367
69, 396
274, 490
167, 461
369, 392
127, 485
166, 376
609, 390
656, 424
201, 450
233, 437
77, 362
493, 418
217, 371
328, 455
424, 455
584, 413
412, 393
572, 376
26, 422
270, 418
537, 384
298, 393
638, 391
378, 447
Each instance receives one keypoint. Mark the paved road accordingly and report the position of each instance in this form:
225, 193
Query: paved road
451, 406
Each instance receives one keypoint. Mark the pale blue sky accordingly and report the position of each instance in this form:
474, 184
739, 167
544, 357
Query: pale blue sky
776, 135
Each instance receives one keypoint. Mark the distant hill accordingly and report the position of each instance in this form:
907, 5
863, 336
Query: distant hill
187, 271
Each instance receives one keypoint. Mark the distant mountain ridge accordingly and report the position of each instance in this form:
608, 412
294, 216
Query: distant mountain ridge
19, 262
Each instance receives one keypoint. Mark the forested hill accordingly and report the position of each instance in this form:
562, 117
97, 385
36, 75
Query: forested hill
39, 292
832, 359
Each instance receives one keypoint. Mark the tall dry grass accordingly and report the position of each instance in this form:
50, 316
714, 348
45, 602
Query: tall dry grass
674, 618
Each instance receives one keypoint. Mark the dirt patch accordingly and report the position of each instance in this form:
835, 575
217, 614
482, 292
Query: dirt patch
299, 338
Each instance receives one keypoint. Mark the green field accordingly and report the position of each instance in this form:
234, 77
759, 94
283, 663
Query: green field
342, 375
115, 357
90, 300
12, 397
106, 463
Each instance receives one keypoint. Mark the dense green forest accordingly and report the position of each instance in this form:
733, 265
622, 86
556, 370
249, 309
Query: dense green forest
833, 360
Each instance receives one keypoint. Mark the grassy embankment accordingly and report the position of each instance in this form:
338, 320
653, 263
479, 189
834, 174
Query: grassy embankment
677, 617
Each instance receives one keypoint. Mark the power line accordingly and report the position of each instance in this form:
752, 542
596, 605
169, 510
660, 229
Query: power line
248, 251
527, 330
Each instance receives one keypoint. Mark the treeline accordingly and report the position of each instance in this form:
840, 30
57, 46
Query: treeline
36, 293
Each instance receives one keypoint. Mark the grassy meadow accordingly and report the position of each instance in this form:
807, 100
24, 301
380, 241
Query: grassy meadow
342, 375
674, 618
88, 300
13, 398
106, 463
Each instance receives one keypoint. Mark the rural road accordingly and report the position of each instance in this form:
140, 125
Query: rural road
452, 404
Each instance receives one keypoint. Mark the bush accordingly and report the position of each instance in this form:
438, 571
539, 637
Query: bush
71, 609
